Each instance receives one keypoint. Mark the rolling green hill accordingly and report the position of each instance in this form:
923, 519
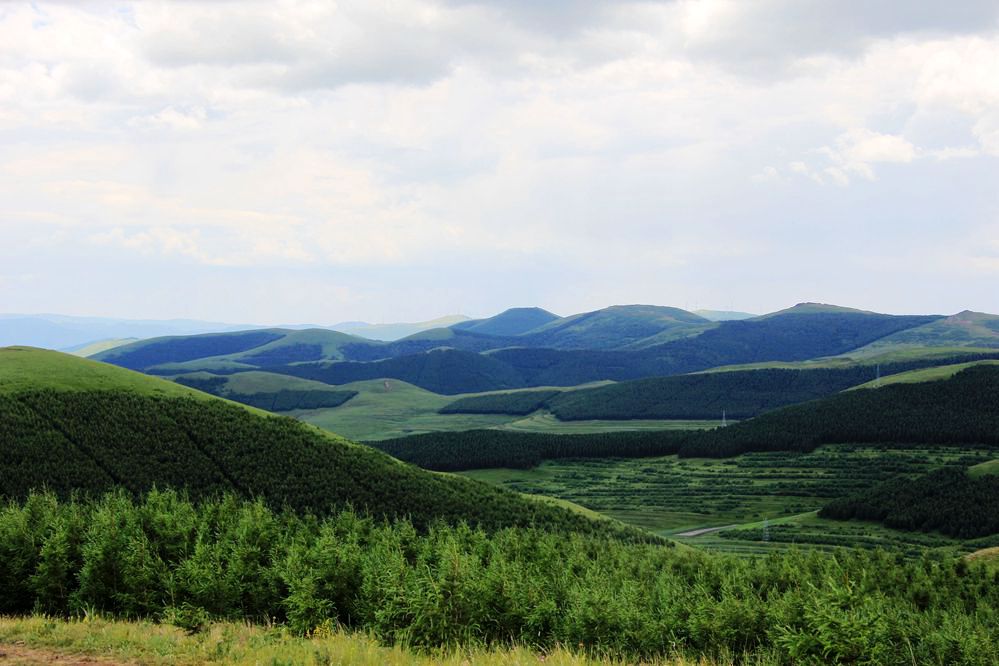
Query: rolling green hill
990, 468
446, 371
965, 329
73, 425
94, 348
24, 369
453, 360
739, 394
614, 327
929, 374
514, 321
252, 348
956, 412
267, 390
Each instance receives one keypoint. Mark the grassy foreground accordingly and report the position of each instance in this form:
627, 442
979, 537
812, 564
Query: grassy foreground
242, 643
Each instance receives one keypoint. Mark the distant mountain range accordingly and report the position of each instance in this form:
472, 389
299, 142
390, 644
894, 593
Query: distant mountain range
53, 331
525, 347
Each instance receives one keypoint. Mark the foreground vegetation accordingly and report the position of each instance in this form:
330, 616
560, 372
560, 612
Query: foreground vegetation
241, 643
164, 557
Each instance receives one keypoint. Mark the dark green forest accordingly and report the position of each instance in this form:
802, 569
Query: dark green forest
954, 412
947, 501
740, 394
162, 556
91, 441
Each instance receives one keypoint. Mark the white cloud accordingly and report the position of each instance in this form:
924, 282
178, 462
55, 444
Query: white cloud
360, 137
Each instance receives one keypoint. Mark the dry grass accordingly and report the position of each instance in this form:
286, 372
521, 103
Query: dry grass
39, 639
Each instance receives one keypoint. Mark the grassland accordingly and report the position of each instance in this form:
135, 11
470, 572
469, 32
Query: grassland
100, 346
387, 408
30, 369
670, 495
42, 640
848, 359
985, 468
924, 374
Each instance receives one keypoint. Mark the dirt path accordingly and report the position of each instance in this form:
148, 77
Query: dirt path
704, 530
20, 654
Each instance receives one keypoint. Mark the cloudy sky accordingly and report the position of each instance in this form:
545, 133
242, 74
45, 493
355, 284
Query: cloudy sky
398, 160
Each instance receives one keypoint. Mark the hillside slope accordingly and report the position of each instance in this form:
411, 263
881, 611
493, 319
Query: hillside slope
965, 329
514, 321
253, 348
614, 327
73, 425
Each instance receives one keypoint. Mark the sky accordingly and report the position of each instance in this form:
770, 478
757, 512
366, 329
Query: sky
315, 162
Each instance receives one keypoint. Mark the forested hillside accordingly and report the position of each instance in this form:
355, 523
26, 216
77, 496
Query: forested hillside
77, 439
948, 501
739, 393
954, 412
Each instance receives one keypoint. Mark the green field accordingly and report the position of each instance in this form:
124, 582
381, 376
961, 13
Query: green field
100, 346
924, 374
671, 495
387, 408
985, 468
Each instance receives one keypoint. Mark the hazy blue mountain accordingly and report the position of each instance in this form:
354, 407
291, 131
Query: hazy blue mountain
54, 331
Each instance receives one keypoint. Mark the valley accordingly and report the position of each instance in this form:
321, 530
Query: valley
640, 444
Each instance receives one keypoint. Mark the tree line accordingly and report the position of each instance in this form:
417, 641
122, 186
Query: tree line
954, 412
947, 500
